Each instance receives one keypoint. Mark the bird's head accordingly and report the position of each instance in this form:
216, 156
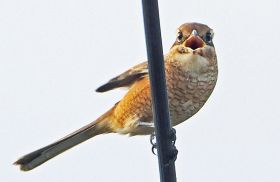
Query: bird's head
194, 39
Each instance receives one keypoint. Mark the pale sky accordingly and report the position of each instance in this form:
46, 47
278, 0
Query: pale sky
54, 54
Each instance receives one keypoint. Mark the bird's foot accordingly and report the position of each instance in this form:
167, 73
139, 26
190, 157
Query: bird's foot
173, 150
153, 142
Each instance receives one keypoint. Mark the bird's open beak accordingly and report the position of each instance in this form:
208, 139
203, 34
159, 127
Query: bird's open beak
194, 41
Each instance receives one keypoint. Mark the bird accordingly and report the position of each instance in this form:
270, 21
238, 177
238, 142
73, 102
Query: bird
191, 74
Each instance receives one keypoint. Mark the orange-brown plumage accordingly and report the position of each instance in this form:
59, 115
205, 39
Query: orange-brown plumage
191, 74
135, 104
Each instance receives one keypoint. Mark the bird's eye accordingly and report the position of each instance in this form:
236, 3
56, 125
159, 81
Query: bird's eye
179, 36
208, 37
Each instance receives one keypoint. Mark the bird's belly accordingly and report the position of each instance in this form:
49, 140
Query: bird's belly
187, 97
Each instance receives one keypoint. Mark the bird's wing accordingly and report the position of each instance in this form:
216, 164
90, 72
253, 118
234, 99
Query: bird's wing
125, 79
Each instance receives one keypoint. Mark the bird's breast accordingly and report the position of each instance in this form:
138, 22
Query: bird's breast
190, 83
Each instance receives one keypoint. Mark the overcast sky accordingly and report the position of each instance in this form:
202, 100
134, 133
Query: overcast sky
54, 54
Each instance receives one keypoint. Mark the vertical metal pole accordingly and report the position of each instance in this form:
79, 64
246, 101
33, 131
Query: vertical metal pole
158, 87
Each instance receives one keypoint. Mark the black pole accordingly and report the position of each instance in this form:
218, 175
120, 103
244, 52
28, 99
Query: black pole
164, 143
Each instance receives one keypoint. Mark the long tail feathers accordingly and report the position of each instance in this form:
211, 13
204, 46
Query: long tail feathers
40, 156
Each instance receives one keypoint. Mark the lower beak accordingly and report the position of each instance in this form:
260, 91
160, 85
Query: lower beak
194, 42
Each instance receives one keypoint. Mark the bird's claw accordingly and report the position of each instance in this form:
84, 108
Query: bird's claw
173, 151
153, 142
172, 154
172, 136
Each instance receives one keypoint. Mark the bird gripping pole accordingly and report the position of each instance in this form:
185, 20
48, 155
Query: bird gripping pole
165, 136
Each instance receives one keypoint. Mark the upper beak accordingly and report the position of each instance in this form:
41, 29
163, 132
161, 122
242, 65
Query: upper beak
194, 41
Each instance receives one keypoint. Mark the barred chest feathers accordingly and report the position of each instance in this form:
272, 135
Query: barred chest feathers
190, 81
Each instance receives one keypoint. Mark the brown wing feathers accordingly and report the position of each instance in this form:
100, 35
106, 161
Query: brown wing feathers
126, 82
126, 79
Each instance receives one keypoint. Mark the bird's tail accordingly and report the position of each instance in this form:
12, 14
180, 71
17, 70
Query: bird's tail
38, 157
